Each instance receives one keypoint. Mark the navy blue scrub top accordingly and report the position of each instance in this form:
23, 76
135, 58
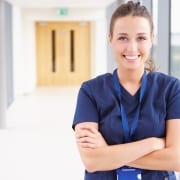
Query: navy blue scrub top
98, 102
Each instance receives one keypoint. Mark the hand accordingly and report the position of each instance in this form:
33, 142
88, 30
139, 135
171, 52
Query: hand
89, 137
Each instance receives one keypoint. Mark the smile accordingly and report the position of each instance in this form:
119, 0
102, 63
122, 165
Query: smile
131, 57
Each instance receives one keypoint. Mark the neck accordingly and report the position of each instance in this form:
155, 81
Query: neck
132, 77
130, 80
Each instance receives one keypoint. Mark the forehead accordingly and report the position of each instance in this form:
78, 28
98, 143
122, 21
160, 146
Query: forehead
129, 24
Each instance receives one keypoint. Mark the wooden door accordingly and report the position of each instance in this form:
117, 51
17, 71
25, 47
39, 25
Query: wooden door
63, 53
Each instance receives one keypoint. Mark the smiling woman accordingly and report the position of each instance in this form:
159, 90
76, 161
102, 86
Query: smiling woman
127, 123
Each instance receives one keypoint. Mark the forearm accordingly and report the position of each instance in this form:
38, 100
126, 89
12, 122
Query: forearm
167, 158
164, 159
115, 156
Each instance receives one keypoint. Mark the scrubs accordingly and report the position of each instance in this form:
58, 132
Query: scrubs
99, 102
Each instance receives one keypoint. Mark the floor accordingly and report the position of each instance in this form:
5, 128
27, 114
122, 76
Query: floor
38, 143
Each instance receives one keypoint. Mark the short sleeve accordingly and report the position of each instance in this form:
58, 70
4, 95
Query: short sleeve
173, 105
86, 108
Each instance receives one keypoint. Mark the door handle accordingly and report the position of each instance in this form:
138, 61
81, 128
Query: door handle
72, 63
53, 58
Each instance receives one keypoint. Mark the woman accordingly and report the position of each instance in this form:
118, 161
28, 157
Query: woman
127, 123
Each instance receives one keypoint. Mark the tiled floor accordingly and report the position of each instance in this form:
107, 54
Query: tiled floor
38, 143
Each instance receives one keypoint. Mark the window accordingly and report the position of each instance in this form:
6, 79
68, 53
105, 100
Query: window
155, 21
175, 39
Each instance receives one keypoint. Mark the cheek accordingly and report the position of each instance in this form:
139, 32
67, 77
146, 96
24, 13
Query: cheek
145, 48
117, 47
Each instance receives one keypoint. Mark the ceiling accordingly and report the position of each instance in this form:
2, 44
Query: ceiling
61, 3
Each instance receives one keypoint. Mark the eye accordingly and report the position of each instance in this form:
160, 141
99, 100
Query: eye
141, 38
122, 38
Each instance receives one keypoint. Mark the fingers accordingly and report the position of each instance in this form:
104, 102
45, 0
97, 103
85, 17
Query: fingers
86, 139
86, 131
88, 136
87, 142
87, 127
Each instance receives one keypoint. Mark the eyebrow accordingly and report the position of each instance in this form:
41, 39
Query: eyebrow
122, 34
125, 34
142, 33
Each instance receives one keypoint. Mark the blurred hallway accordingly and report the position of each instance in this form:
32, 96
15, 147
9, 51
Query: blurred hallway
39, 142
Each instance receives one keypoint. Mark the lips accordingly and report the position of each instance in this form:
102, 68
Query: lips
131, 58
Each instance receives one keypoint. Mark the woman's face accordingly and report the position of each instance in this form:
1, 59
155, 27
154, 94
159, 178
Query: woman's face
131, 41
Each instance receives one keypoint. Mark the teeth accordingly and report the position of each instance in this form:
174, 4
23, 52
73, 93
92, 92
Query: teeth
131, 57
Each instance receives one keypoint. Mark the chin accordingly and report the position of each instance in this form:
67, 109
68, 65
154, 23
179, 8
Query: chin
134, 68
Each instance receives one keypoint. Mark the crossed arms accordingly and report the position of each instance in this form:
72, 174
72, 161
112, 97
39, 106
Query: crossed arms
151, 153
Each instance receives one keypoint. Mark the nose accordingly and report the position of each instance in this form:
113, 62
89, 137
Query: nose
132, 46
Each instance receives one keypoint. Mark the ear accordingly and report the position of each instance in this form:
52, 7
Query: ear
110, 39
152, 37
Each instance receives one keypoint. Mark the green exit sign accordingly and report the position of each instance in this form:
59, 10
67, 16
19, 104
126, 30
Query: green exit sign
62, 11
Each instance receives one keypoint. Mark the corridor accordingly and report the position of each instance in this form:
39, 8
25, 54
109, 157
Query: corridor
39, 142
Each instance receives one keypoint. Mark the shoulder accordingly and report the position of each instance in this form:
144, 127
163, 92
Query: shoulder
162, 79
99, 87
98, 83
163, 83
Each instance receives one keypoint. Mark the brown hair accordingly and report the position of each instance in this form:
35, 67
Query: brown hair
133, 9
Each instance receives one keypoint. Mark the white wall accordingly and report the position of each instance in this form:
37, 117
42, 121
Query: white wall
24, 42
19, 78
